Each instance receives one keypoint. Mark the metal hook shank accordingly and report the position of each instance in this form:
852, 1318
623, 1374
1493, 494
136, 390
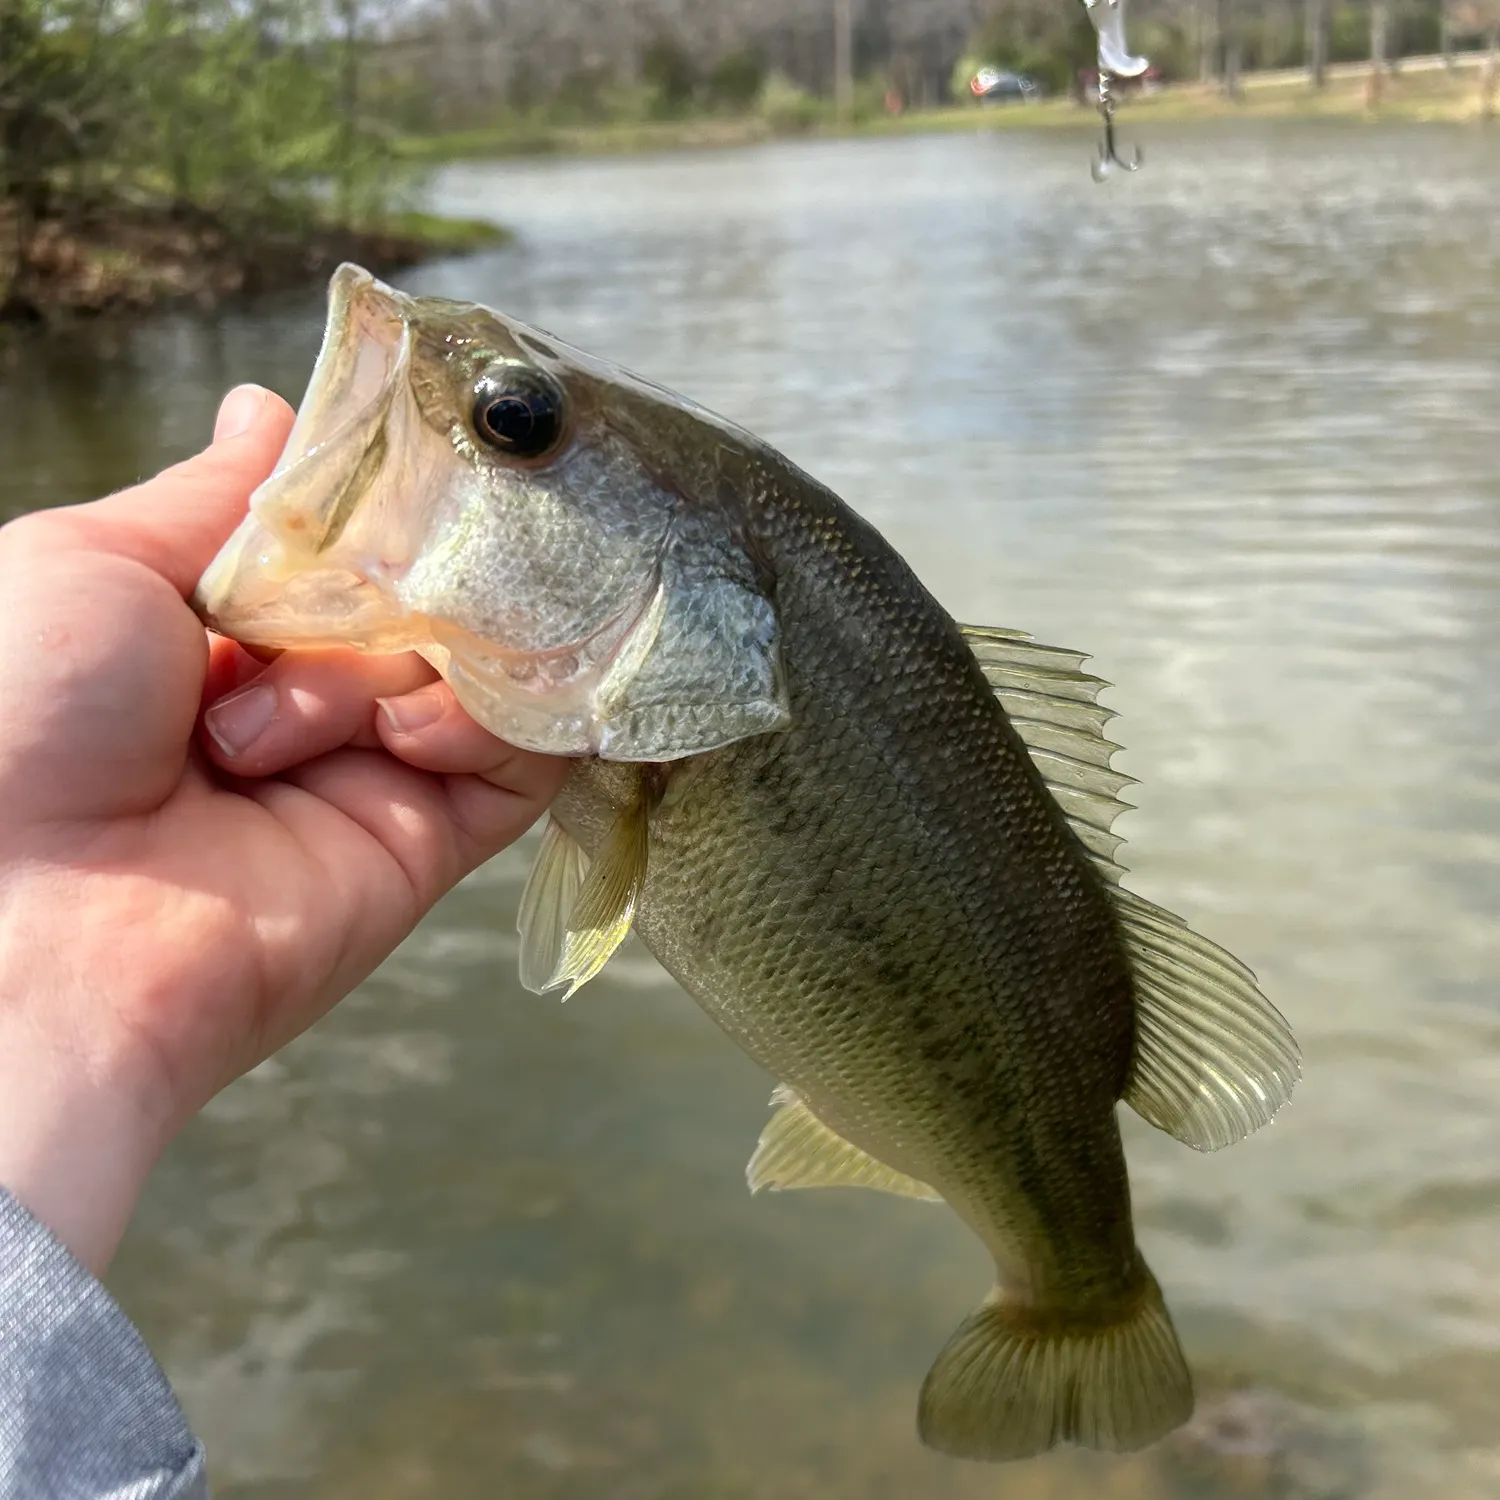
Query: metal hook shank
1109, 158
1115, 60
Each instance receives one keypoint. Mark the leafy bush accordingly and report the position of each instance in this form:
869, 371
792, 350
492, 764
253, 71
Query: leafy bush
257, 114
669, 73
736, 79
1041, 38
787, 107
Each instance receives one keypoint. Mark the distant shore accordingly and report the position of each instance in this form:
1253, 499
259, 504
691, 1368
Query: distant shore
117, 258
1415, 89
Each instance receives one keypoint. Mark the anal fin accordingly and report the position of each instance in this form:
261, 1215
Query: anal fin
797, 1150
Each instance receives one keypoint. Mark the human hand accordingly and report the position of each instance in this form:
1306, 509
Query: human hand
182, 892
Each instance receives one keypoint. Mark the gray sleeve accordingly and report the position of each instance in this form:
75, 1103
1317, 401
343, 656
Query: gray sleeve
85, 1411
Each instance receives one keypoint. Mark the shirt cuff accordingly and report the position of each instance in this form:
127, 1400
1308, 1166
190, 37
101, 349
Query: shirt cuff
85, 1411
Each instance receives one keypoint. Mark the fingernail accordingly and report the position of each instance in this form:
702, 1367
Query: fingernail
238, 411
412, 711
236, 722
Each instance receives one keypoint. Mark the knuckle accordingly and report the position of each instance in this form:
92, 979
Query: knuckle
37, 532
20, 532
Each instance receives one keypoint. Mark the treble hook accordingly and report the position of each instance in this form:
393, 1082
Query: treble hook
1115, 61
1108, 158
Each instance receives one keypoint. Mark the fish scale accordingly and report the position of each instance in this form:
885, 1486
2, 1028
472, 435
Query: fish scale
939, 813
799, 780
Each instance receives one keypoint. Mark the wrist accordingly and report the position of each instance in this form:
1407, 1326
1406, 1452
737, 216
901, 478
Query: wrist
73, 1150
77, 1141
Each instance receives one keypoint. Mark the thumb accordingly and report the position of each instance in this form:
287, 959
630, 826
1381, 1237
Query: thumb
176, 522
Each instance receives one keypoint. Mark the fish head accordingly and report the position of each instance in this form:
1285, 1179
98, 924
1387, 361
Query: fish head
564, 542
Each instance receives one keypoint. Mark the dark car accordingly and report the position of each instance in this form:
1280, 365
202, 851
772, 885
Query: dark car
991, 84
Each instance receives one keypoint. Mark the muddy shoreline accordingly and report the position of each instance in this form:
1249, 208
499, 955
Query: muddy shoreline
78, 261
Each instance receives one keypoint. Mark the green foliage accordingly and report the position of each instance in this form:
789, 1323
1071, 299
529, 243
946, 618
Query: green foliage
736, 79
1417, 31
1273, 38
786, 107
59, 95
583, 96
1168, 44
1349, 33
1045, 39
669, 73
250, 109
868, 102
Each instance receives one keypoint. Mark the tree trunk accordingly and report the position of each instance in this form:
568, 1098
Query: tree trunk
1488, 75
1317, 42
1445, 34
1229, 28
1208, 39
1379, 23
843, 60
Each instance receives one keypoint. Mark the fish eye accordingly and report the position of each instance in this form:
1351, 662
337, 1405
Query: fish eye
518, 410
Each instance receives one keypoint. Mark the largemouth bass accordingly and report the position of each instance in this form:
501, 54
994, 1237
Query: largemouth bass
872, 843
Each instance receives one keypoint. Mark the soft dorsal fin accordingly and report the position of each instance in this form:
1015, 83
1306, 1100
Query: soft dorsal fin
551, 889
1214, 1059
797, 1150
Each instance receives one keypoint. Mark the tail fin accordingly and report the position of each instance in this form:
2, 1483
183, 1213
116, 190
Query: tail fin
1014, 1381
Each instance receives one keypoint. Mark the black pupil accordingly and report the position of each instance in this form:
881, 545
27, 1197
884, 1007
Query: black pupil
518, 413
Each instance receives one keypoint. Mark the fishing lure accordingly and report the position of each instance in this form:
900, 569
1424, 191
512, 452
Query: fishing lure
1115, 61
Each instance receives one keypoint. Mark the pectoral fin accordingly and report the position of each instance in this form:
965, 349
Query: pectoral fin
576, 911
797, 1150
547, 903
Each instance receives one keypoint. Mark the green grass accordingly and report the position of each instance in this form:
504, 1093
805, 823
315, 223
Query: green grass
528, 138
444, 236
1420, 96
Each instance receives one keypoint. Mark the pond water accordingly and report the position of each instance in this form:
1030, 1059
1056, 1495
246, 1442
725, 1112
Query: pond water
1230, 425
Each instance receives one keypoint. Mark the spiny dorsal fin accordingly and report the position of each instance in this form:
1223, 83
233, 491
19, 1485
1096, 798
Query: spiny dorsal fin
1214, 1059
546, 903
1053, 706
797, 1150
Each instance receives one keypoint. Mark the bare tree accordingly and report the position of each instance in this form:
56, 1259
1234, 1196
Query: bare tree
843, 59
1380, 16
1491, 67
1229, 30
1317, 42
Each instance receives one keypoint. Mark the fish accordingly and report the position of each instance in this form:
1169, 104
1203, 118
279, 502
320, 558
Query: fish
874, 844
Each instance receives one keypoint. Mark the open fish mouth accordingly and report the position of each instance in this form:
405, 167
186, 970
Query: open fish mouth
323, 557
273, 583
366, 347
462, 486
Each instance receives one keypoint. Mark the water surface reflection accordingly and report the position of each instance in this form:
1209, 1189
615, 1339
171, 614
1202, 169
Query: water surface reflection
1229, 426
